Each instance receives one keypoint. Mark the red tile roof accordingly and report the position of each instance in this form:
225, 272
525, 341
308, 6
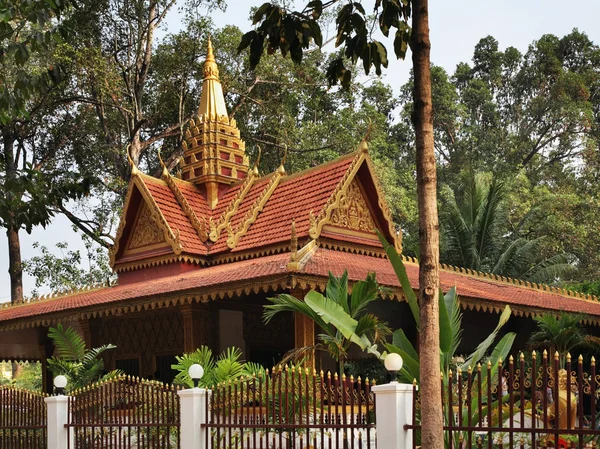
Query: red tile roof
175, 216
197, 282
468, 286
295, 197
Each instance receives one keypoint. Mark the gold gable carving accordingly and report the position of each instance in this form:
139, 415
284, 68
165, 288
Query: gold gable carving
353, 211
145, 232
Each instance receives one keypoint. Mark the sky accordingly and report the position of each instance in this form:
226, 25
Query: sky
455, 28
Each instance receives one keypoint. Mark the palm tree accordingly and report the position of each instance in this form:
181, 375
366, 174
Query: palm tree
474, 237
81, 366
341, 316
562, 334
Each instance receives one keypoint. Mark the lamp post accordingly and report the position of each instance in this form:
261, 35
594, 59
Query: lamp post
393, 363
60, 382
196, 372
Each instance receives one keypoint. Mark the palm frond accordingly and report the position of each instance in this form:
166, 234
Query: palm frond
69, 344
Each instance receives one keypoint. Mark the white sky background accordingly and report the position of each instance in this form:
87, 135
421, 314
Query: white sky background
456, 27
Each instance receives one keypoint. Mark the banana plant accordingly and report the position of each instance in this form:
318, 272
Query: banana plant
341, 316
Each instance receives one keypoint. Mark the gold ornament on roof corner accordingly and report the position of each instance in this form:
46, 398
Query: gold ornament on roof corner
364, 145
257, 161
165, 170
281, 169
134, 169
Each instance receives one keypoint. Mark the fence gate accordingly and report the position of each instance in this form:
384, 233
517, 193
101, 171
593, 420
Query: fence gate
291, 408
125, 413
22, 419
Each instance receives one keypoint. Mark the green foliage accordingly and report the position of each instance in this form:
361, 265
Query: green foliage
80, 365
562, 333
341, 316
450, 331
26, 30
61, 274
292, 32
29, 375
475, 235
226, 367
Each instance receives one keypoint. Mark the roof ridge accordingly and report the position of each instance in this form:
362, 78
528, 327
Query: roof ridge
320, 166
518, 282
224, 220
198, 224
255, 209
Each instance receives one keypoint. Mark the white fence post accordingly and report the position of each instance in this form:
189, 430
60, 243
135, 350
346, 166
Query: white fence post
193, 413
57, 417
393, 409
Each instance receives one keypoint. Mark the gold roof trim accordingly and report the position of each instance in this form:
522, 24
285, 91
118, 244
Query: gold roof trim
317, 222
171, 237
198, 224
384, 206
224, 219
160, 260
254, 210
302, 256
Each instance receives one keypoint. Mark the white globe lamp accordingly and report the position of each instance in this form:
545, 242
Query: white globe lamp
60, 382
196, 372
393, 363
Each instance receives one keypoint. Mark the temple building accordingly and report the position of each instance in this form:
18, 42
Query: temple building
197, 256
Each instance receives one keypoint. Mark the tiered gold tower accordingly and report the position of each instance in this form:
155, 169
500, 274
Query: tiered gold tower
214, 154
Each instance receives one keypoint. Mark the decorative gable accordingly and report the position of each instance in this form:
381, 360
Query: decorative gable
353, 212
146, 233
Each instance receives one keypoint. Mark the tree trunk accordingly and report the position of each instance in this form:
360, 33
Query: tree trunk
15, 268
432, 436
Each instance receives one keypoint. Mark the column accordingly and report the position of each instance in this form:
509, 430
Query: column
193, 415
188, 328
58, 435
394, 410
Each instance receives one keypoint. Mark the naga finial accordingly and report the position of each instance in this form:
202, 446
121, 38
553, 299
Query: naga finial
281, 168
364, 146
134, 169
257, 161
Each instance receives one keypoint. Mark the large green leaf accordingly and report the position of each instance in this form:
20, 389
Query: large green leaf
401, 341
446, 333
483, 347
410, 366
69, 344
400, 270
363, 293
332, 313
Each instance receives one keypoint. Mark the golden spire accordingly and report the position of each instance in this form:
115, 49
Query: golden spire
212, 101
214, 154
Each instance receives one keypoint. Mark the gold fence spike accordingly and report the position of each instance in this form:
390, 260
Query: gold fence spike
580, 359
568, 356
593, 361
533, 355
521, 356
545, 354
556, 355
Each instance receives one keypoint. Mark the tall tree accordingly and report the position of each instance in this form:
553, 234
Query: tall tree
291, 32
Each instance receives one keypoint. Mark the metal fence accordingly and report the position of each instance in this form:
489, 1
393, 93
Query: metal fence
292, 408
521, 404
22, 419
125, 413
